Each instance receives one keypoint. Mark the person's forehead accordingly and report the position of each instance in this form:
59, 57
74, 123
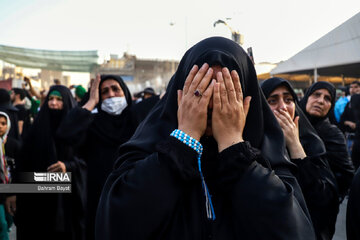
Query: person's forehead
281, 89
109, 82
323, 91
55, 97
354, 85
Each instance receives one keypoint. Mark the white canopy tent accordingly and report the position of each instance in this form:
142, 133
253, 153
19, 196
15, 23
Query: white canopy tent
71, 61
335, 54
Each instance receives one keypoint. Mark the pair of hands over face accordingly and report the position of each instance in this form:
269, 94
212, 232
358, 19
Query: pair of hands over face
221, 91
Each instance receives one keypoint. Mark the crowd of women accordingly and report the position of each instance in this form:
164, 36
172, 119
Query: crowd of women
218, 157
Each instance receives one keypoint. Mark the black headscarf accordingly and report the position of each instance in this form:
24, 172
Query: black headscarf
311, 142
113, 129
11, 111
269, 85
316, 86
40, 145
261, 129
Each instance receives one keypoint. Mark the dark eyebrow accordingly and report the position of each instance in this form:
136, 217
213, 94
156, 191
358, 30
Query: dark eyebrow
273, 96
284, 93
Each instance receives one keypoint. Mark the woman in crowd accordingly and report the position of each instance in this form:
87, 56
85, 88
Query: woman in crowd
51, 215
5, 217
97, 130
318, 101
306, 149
193, 169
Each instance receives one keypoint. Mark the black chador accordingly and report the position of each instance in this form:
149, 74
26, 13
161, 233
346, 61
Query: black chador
336, 152
51, 215
97, 136
156, 191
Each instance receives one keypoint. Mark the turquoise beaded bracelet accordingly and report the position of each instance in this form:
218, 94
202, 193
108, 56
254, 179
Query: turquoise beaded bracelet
196, 145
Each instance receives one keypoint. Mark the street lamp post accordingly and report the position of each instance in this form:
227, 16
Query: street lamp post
235, 35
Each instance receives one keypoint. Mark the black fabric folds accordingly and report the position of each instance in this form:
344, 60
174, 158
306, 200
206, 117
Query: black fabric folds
355, 154
353, 209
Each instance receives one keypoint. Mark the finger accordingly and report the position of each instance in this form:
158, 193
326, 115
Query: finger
198, 77
97, 80
204, 83
179, 96
229, 85
205, 99
190, 78
281, 116
52, 167
280, 121
216, 97
286, 115
246, 105
296, 121
237, 84
223, 92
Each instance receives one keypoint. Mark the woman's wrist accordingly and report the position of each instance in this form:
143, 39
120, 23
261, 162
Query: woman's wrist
228, 142
296, 150
90, 105
189, 132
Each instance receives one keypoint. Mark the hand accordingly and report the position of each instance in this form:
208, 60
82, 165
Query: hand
229, 109
10, 205
94, 94
352, 125
27, 80
192, 110
57, 167
290, 129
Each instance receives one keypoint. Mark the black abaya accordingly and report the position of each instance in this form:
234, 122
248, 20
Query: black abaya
336, 152
51, 215
97, 138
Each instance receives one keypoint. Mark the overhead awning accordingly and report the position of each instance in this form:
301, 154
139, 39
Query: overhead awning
336, 53
69, 61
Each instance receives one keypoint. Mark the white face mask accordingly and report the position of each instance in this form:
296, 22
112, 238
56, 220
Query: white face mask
114, 105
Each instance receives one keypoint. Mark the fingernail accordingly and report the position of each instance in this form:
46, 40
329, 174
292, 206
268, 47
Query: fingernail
193, 68
204, 65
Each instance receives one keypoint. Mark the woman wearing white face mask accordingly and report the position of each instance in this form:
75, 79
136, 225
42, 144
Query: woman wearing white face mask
98, 134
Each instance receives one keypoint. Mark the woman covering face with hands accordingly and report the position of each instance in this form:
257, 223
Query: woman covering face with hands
214, 95
200, 165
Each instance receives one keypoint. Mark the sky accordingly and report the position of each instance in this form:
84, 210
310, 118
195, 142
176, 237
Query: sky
165, 29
